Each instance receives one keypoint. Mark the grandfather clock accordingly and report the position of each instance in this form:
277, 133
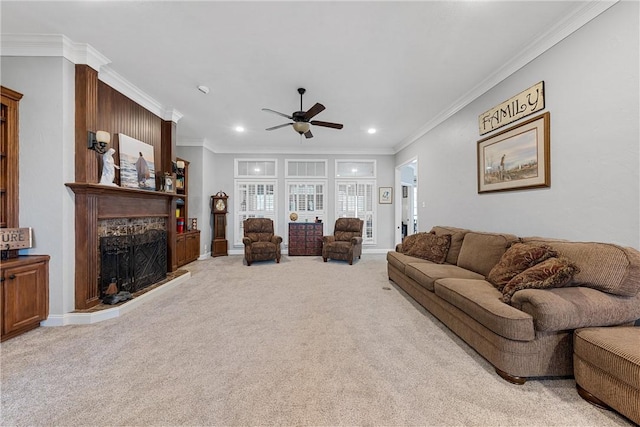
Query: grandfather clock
219, 208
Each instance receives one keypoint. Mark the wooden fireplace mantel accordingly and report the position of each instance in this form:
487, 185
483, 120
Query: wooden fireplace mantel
96, 202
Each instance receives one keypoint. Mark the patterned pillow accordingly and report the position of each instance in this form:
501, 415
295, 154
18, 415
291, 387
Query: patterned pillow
551, 273
430, 247
409, 241
517, 259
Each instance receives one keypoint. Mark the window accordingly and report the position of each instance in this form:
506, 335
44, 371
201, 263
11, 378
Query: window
255, 199
356, 199
356, 194
306, 168
255, 168
306, 199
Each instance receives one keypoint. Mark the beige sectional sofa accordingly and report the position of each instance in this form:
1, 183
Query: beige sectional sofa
532, 335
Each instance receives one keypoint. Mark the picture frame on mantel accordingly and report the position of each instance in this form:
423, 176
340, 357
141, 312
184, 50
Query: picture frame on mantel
385, 195
517, 158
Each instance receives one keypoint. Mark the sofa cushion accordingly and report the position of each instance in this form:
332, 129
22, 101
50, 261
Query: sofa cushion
517, 259
480, 252
480, 300
457, 236
427, 273
430, 247
550, 273
616, 351
400, 260
603, 266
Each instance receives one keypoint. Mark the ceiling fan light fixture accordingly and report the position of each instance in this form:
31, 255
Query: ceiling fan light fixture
301, 127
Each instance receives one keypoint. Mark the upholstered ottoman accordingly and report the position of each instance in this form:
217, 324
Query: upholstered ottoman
606, 364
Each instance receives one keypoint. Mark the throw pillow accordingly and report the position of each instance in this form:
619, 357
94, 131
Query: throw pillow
550, 273
410, 240
517, 259
431, 247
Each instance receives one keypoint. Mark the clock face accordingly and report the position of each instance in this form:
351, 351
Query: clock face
220, 205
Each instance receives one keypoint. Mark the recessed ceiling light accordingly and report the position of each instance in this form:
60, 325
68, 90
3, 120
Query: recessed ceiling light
239, 129
203, 89
371, 130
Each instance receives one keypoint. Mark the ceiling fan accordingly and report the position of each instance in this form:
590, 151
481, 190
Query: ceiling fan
302, 119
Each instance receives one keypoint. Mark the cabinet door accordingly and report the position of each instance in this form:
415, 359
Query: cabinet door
24, 297
181, 249
193, 246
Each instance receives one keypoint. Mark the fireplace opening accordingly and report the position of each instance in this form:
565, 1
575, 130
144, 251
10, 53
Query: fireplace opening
130, 263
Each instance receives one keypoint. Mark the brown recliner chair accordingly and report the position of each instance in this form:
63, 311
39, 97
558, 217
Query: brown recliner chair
346, 242
260, 243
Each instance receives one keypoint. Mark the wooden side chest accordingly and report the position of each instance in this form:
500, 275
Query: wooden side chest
305, 238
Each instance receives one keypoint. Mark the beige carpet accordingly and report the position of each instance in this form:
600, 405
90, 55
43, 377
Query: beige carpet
297, 343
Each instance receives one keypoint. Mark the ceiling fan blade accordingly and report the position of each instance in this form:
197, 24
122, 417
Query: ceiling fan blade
278, 113
313, 111
308, 134
279, 126
326, 124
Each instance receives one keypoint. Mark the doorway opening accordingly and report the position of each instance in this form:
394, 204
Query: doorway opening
407, 209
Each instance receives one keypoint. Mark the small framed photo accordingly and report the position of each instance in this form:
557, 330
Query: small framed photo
385, 195
170, 183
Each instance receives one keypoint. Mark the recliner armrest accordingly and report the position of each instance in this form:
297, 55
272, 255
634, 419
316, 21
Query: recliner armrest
246, 241
276, 239
357, 240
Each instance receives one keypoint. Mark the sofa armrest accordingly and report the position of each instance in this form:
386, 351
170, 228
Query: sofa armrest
328, 239
356, 240
561, 309
399, 247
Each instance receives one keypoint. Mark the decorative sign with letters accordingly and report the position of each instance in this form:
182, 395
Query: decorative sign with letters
521, 105
15, 238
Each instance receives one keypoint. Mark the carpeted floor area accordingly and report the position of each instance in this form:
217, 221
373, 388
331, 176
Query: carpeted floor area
297, 343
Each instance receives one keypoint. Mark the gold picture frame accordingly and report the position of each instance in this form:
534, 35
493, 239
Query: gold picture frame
517, 158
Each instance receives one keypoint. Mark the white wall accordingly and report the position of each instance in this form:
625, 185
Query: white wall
223, 167
201, 187
46, 163
591, 91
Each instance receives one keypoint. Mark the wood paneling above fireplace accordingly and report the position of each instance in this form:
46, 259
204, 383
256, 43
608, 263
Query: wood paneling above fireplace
100, 107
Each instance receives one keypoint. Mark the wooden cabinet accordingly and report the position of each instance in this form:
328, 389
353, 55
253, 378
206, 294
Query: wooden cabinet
305, 238
187, 242
24, 295
188, 247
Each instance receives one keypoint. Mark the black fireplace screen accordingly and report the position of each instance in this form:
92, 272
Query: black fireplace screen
133, 262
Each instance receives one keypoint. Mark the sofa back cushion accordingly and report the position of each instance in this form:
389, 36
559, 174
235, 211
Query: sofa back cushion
457, 235
480, 252
603, 266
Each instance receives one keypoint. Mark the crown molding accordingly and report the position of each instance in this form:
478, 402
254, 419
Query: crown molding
554, 35
52, 45
235, 149
58, 45
109, 76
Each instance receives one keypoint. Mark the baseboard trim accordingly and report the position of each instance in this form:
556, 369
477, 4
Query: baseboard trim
116, 311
